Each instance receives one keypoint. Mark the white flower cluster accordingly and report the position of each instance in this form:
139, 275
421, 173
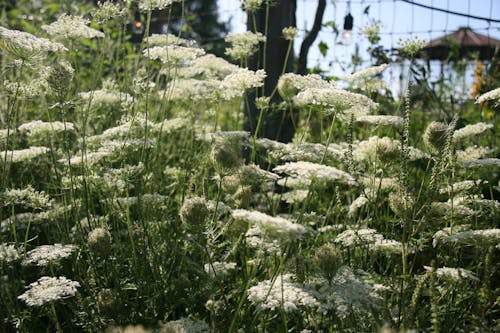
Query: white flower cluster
243, 44
27, 197
412, 46
303, 151
462, 186
295, 196
219, 269
24, 44
470, 130
336, 100
395, 121
379, 183
472, 237
366, 73
490, 95
49, 289
38, 127
281, 293
235, 84
73, 27
8, 254
105, 98
185, 325
386, 149
23, 155
208, 66
356, 205
289, 84
484, 162
289, 33
45, 254
271, 226
456, 274
302, 174
252, 5
173, 54
26, 90
155, 4
470, 154
107, 11
360, 237
347, 294
168, 39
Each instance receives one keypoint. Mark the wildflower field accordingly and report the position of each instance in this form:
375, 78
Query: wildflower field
131, 200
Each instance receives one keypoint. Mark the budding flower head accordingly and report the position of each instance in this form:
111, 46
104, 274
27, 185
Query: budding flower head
194, 211
400, 202
328, 258
107, 300
411, 46
435, 135
289, 33
226, 156
251, 5
99, 241
59, 76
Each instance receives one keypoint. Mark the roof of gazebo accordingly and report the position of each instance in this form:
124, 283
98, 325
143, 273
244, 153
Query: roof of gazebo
465, 41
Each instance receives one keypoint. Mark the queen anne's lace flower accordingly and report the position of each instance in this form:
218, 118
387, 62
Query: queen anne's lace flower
8, 254
49, 289
301, 174
456, 274
68, 26
490, 95
470, 130
23, 155
185, 325
24, 44
366, 73
155, 4
45, 254
281, 293
244, 44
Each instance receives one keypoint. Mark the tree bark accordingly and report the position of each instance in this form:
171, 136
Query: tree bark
310, 38
276, 125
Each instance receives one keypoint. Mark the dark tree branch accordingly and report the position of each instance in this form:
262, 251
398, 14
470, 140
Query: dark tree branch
310, 38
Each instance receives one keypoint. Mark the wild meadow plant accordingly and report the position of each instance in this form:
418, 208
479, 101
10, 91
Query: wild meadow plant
131, 201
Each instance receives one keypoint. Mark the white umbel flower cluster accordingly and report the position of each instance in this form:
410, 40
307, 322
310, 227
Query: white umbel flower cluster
8, 254
281, 293
301, 174
45, 254
49, 289
27, 197
38, 127
173, 54
366, 73
456, 274
472, 237
23, 155
218, 268
185, 325
470, 130
356, 205
395, 121
358, 237
22, 43
490, 95
271, 226
336, 100
72, 27
289, 84
155, 4
235, 84
243, 44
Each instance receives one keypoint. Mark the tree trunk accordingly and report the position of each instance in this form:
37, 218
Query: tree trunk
276, 125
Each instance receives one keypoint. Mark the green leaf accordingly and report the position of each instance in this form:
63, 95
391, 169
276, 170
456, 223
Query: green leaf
367, 10
323, 48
